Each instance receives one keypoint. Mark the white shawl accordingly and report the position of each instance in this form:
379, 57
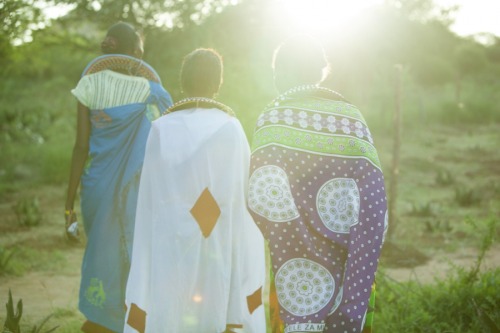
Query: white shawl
198, 258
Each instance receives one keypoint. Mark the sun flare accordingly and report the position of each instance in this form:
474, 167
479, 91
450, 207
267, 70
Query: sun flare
316, 16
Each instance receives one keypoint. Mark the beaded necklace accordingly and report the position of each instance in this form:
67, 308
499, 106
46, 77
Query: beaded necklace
304, 89
202, 102
123, 64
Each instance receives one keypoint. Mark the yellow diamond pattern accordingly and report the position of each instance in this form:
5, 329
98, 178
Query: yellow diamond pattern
206, 212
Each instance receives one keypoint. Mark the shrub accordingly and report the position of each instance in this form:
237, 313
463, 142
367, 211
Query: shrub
28, 212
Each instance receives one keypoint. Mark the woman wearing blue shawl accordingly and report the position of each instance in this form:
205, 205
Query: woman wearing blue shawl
118, 97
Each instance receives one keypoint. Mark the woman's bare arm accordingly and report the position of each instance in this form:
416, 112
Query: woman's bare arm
80, 153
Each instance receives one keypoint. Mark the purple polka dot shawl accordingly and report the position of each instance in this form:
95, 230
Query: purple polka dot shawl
317, 193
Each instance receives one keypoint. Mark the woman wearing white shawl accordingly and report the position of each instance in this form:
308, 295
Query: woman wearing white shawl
198, 258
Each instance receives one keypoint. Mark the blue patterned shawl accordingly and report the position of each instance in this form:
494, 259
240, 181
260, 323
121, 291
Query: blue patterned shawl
109, 188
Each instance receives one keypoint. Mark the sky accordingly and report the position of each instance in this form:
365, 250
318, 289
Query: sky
315, 16
475, 16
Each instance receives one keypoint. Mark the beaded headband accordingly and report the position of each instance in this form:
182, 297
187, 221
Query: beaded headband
204, 102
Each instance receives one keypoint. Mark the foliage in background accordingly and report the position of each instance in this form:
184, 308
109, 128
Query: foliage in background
17, 16
148, 14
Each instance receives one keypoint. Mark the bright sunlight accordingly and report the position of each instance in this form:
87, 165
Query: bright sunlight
319, 16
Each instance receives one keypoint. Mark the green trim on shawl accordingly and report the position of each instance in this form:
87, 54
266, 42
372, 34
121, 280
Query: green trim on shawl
294, 138
316, 142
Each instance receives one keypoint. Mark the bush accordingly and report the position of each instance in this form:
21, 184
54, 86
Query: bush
28, 212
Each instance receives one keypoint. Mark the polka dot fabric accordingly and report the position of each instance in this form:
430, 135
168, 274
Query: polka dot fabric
326, 240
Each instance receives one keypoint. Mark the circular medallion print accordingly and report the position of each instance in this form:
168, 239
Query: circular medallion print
304, 287
269, 194
338, 204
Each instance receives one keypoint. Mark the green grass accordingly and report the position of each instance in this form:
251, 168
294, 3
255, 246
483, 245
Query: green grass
465, 301
18, 260
449, 305
6, 256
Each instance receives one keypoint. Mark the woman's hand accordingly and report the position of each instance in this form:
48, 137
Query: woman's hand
71, 226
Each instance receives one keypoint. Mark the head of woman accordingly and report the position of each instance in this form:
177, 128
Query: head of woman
201, 73
299, 60
123, 38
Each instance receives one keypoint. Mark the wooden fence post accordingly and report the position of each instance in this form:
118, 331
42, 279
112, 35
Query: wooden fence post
396, 148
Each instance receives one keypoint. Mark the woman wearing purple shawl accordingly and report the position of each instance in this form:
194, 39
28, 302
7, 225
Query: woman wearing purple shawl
317, 193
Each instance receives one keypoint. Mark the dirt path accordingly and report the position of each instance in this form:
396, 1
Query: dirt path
45, 293
440, 265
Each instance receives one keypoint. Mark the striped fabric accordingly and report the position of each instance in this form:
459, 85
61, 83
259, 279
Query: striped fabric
108, 89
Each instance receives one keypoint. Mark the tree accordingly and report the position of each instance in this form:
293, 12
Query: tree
18, 16
469, 58
424, 10
148, 14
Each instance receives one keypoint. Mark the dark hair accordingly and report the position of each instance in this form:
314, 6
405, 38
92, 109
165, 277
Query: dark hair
122, 38
201, 73
299, 60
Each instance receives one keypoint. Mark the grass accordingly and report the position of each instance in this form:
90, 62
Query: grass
422, 210
449, 305
20, 260
466, 197
444, 178
465, 301
6, 256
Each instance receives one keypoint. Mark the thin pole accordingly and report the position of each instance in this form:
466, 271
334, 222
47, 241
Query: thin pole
396, 148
